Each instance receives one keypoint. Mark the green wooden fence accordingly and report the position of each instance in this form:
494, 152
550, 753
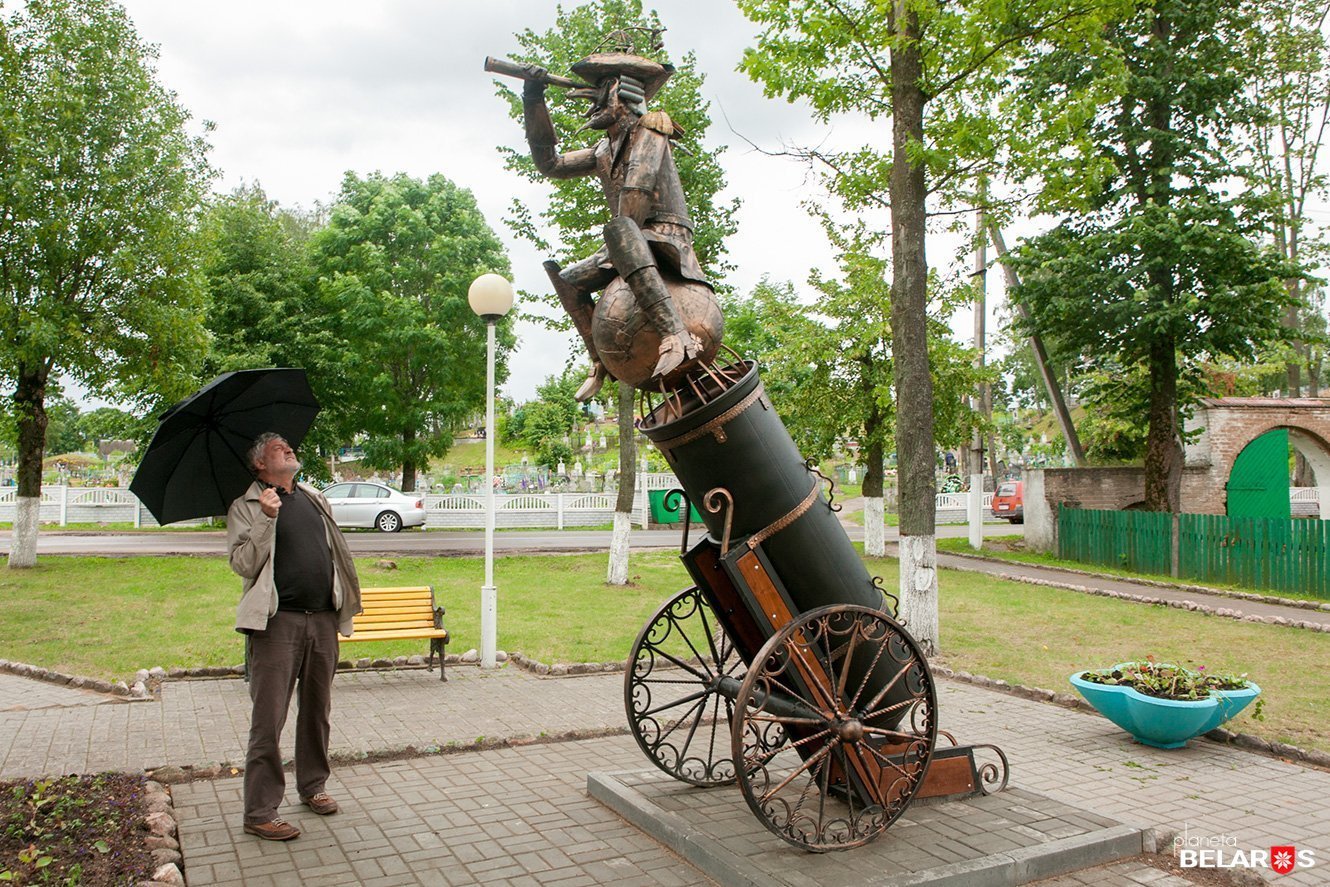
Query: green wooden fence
1132, 540
1258, 553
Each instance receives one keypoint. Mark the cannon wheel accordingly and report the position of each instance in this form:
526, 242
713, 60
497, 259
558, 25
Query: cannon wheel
678, 670
810, 680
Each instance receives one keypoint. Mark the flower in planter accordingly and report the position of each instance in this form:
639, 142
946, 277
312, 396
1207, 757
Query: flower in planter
1166, 681
1165, 705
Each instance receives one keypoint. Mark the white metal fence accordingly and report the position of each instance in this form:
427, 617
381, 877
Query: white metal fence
64, 505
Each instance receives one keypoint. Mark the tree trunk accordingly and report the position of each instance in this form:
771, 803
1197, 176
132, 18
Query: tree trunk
1287, 247
1293, 369
30, 410
1303, 476
875, 533
909, 338
623, 505
1163, 444
408, 464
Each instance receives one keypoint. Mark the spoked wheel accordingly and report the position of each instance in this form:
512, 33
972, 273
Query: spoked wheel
679, 691
853, 692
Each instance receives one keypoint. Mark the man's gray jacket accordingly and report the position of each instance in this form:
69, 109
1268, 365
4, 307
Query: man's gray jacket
251, 539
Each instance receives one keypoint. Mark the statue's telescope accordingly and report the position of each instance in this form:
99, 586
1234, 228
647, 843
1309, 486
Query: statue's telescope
512, 69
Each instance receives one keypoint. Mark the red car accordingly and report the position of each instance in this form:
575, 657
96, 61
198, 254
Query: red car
1008, 503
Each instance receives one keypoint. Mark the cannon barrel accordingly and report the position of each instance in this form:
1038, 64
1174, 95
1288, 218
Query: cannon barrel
737, 443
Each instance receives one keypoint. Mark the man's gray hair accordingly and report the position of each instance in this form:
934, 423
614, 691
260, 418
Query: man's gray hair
256, 449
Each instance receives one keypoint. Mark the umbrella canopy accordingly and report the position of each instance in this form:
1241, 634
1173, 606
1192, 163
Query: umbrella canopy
195, 465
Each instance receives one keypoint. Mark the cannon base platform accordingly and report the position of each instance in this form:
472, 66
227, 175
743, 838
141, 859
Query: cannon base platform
1009, 838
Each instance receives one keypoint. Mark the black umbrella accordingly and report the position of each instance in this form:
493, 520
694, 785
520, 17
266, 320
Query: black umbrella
195, 465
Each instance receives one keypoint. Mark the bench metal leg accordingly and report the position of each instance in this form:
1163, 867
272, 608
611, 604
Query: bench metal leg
436, 644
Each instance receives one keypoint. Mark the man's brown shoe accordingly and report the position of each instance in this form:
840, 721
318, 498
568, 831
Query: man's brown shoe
276, 830
322, 804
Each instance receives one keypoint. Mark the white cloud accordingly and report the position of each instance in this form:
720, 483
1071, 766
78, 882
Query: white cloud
302, 91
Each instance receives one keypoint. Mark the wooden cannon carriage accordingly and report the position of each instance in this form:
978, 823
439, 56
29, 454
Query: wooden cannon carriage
782, 668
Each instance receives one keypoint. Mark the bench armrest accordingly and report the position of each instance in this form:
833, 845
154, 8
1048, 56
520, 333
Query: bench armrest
438, 617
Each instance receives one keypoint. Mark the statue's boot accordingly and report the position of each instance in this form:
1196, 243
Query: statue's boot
580, 307
591, 387
676, 343
633, 259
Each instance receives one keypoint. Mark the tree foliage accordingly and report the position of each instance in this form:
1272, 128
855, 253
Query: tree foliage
1289, 85
100, 184
936, 71
828, 365
394, 263
260, 283
544, 424
265, 308
1158, 269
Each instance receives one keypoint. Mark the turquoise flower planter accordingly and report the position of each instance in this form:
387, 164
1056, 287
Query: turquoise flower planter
1163, 723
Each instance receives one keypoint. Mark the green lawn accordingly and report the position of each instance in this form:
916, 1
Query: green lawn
472, 455
107, 617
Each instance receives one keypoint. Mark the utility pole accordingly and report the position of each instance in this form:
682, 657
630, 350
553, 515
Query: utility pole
1041, 357
983, 397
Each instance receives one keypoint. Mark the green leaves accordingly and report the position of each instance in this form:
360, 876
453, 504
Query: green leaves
100, 185
393, 264
1159, 271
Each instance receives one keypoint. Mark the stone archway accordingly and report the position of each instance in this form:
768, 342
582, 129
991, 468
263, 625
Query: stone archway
1219, 430
1225, 427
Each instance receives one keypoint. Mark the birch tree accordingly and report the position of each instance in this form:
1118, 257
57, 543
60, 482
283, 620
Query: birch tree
100, 187
931, 73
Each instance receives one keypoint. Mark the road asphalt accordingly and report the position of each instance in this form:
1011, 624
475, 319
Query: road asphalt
410, 542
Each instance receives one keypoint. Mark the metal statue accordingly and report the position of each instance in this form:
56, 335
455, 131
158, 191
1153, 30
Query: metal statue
783, 667
657, 318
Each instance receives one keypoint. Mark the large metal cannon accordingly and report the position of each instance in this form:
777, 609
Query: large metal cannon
783, 667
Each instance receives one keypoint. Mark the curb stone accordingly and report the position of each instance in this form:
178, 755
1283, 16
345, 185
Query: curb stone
1225, 612
1298, 603
161, 831
1310, 757
543, 669
36, 672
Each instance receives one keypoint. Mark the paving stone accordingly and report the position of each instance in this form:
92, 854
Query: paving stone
533, 796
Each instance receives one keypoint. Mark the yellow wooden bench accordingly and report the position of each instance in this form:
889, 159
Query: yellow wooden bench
392, 614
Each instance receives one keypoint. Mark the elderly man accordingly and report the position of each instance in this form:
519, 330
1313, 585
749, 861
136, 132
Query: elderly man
300, 590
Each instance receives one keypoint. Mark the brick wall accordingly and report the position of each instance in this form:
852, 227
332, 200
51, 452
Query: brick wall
1100, 489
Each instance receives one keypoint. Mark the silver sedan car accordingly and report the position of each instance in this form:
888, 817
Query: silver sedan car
364, 504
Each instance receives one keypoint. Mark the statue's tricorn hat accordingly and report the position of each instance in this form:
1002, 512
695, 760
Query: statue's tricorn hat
601, 65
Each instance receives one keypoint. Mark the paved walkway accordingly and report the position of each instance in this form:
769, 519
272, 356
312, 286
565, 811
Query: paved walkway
520, 814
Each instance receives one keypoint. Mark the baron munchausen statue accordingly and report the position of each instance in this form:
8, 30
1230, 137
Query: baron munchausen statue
649, 240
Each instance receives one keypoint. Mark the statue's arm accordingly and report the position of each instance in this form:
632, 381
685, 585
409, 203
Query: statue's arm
541, 140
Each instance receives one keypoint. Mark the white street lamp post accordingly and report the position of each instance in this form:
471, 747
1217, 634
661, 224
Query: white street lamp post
491, 296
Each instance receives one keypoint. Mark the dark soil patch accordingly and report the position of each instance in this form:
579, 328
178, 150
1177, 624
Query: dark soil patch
74, 830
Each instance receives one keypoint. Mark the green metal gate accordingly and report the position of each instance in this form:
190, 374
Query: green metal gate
1258, 483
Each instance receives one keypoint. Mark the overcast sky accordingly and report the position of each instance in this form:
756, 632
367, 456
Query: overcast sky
302, 91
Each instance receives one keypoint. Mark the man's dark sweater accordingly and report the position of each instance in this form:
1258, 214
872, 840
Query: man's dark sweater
302, 565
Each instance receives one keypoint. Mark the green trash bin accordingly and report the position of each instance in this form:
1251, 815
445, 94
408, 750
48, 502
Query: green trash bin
662, 515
